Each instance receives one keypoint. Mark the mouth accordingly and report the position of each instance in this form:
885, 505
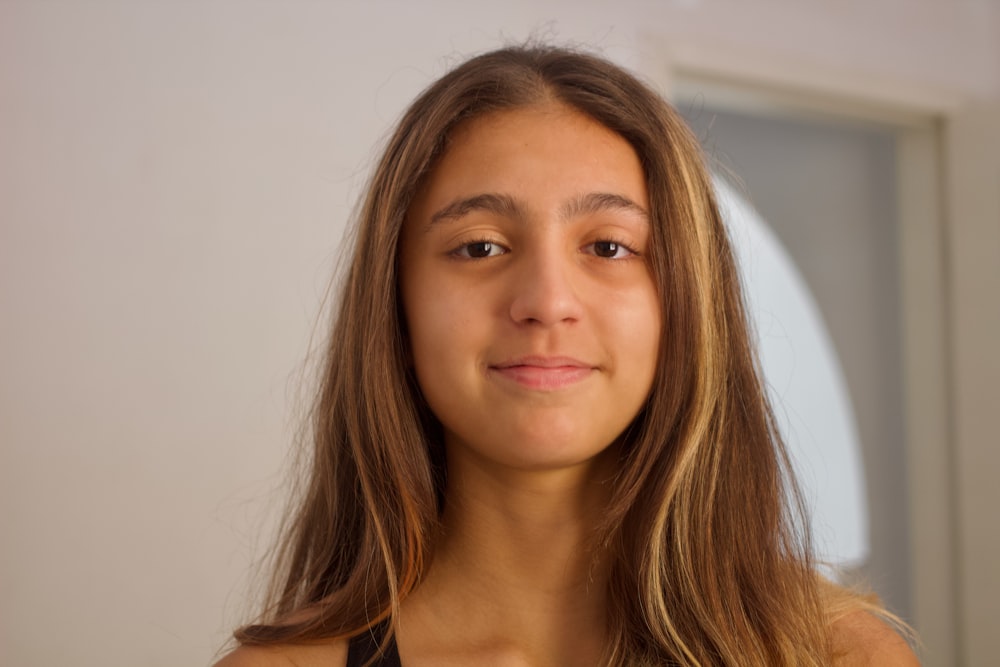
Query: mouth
543, 373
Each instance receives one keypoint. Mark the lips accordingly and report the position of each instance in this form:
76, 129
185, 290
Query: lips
543, 373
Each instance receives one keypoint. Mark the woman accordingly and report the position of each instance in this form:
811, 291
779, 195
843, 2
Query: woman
541, 437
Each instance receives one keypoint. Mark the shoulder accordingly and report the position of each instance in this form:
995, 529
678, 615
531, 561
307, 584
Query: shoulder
331, 653
861, 639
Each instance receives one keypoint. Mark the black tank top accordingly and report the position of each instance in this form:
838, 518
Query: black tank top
365, 646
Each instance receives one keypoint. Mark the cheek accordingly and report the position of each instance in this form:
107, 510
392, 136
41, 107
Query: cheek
639, 329
440, 323
414, 298
653, 323
428, 320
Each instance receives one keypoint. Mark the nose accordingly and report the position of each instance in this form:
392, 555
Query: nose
545, 288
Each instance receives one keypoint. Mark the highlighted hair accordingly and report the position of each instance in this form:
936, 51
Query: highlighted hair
705, 567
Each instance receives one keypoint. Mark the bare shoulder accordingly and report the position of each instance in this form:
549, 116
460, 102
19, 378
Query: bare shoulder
861, 639
331, 653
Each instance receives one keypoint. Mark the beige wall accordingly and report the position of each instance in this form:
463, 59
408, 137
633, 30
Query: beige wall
174, 180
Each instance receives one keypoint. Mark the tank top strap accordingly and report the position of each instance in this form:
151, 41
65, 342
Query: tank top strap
365, 646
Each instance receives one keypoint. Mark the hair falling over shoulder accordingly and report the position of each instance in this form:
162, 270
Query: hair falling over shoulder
706, 567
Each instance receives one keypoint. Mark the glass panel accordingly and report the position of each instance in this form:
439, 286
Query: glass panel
827, 189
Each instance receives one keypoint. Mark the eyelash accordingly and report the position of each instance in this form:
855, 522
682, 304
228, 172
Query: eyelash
462, 251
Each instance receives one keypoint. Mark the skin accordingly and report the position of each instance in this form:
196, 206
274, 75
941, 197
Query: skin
534, 325
860, 640
537, 354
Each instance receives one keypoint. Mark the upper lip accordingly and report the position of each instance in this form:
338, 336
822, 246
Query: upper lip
542, 362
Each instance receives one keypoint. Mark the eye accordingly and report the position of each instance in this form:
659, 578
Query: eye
479, 250
610, 250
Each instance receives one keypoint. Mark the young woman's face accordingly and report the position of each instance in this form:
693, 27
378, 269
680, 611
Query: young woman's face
533, 317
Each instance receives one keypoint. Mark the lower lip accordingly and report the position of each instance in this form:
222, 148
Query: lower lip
544, 378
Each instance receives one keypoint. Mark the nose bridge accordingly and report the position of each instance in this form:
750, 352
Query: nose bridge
545, 289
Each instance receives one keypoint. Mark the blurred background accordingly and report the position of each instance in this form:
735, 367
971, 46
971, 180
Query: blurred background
175, 181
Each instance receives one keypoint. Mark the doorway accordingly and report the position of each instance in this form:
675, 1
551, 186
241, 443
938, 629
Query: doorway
826, 187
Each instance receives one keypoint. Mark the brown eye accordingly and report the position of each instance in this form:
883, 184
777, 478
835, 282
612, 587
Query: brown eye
484, 249
605, 248
479, 250
610, 250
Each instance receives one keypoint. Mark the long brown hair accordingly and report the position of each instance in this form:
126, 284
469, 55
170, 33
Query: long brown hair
706, 565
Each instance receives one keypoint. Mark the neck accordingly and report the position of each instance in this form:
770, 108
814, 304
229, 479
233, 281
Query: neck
516, 567
532, 533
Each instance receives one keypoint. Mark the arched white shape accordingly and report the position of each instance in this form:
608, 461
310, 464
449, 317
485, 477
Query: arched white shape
805, 383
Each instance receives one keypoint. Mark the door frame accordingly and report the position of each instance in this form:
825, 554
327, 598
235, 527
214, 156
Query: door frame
931, 322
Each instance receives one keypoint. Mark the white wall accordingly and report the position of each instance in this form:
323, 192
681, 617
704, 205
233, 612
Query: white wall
174, 181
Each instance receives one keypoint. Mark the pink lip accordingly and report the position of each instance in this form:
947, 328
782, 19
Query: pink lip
543, 373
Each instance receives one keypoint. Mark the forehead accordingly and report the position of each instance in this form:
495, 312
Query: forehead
541, 151
527, 124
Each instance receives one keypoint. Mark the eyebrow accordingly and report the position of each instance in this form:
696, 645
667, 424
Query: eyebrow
595, 202
509, 207
503, 205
